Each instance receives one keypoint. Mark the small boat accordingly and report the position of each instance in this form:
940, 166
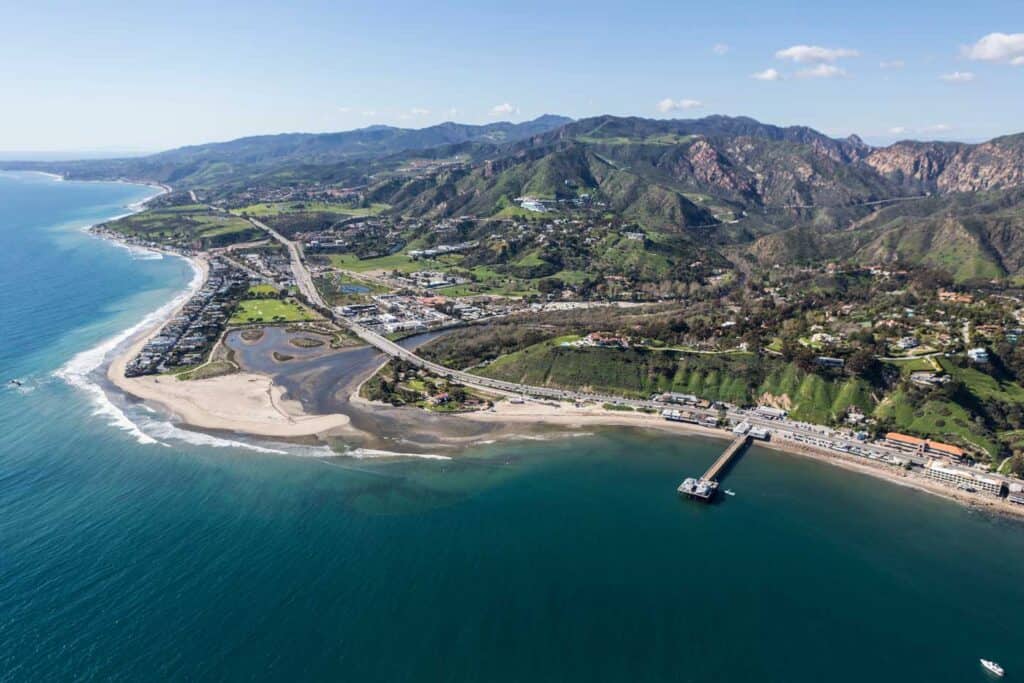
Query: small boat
992, 667
729, 492
16, 382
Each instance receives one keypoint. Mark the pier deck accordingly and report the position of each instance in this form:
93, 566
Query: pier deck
706, 487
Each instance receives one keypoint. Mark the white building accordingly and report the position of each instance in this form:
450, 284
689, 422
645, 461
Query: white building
978, 355
771, 413
963, 478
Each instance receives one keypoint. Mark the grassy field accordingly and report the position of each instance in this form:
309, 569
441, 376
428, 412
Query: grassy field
275, 208
985, 387
917, 365
272, 310
633, 372
340, 289
813, 398
262, 291
217, 368
185, 225
937, 419
400, 262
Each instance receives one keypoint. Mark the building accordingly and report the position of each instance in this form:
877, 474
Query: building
963, 479
928, 379
759, 433
913, 444
978, 355
955, 297
771, 413
672, 397
907, 343
829, 362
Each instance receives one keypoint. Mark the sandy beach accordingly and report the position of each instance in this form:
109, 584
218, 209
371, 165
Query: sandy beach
248, 403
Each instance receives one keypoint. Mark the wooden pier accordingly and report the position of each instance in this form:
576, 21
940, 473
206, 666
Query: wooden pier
706, 487
734, 449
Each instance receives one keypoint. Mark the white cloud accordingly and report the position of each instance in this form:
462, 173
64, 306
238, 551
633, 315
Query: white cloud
891, 64
720, 49
452, 113
504, 109
369, 112
822, 71
814, 54
344, 110
937, 128
419, 111
897, 130
958, 77
668, 105
1007, 48
767, 75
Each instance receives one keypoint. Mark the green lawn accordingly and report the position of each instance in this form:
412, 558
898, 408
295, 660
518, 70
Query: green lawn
275, 208
400, 262
985, 387
184, 225
257, 291
917, 365
272, 310
938, 419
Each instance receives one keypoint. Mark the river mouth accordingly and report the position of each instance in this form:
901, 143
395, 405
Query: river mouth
323, 379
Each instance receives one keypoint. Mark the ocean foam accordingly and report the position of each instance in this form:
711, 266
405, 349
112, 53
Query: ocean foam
78, 372
164, 430
366, 453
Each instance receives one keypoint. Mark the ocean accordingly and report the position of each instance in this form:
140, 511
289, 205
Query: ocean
131, 549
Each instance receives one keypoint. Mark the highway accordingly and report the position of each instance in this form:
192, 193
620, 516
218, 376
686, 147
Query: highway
303, 279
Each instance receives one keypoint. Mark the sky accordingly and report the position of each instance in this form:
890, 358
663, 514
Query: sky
141, 76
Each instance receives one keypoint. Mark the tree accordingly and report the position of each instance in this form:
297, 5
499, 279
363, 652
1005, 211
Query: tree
550, 285
1016, 464
862, 363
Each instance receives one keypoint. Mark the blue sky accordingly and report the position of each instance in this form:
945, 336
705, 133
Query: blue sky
146, 76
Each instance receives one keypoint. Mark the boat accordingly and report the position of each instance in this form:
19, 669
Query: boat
729, 492
992, 667
16, 382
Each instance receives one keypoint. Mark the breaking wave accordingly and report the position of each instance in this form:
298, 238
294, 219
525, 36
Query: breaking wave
79, 371
367, 453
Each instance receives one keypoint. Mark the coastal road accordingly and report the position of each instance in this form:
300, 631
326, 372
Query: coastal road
303, 279
305, 284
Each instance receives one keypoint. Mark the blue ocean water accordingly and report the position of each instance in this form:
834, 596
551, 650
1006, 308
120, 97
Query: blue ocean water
129, 553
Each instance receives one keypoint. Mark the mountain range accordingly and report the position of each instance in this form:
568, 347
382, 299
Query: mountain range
763, 193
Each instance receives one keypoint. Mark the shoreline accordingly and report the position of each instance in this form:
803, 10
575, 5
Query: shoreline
569, 417
246, 403
252, 404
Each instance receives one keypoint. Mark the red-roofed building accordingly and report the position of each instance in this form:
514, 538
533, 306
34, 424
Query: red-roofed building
906, 442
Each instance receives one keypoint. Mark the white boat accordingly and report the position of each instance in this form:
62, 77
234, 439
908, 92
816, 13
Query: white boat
729, 492
993, 667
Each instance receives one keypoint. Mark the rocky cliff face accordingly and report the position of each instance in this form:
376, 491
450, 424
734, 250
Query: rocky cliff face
953, 167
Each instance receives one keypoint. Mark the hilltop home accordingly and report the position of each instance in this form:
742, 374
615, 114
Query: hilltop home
978, 355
